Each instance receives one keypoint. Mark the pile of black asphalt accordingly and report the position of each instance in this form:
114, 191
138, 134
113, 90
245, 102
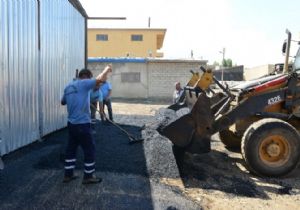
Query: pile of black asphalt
32, 177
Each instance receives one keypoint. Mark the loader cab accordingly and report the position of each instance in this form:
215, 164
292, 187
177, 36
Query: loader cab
296, 65
286, 50
278, 68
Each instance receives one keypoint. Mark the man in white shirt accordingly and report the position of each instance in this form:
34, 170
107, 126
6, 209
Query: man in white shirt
177, 92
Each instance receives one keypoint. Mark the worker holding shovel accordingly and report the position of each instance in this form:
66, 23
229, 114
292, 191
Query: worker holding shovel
77, 98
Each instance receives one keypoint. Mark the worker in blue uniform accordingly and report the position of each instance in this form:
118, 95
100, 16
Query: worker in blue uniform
106, 89
77, 98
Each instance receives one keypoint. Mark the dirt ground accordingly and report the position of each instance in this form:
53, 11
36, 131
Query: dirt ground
219, 179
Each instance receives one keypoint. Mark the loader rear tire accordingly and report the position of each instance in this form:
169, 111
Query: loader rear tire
230, 139
271, 147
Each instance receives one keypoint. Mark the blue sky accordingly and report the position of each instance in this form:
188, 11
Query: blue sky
252, 32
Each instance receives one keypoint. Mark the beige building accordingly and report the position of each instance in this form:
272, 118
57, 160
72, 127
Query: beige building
104, 42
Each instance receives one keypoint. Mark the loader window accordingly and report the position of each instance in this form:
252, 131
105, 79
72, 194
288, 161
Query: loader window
297, 62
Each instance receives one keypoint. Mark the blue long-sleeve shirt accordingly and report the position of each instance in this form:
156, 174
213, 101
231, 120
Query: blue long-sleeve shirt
77, 98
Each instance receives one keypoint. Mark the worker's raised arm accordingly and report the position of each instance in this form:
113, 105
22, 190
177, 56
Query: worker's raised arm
63, 100
103, 75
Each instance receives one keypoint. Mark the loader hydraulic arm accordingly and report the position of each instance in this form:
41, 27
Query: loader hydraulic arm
255, 105
248, 107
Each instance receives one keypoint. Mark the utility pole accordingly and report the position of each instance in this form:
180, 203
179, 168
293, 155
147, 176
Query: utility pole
149, 22
223, 59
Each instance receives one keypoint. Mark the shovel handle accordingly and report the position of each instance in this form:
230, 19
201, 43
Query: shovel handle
131, 137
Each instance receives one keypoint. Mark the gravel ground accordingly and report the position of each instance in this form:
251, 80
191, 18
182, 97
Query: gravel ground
140, 176
219, 179
32, 178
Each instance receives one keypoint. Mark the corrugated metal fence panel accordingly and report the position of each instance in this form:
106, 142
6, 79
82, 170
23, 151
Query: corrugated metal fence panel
4, 115
32, 81
62, 52
19, 95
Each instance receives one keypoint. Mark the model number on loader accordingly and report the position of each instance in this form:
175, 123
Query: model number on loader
274, 100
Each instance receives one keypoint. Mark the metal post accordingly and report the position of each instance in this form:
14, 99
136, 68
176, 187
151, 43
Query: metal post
149, 22
85, 43
223, 58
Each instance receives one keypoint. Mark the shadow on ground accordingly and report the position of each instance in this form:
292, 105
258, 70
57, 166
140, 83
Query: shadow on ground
216, 170
32, 178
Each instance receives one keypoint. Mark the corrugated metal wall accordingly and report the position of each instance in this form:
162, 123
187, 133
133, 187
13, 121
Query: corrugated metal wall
62, 52
32, 80
19, 99
4, 113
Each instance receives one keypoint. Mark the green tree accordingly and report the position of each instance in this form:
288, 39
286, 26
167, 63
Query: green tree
216, 63
227, 63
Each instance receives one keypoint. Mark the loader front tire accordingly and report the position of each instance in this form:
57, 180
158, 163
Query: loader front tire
271, 147
230, 139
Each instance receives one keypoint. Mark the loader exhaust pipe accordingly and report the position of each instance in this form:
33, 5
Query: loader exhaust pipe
287, 51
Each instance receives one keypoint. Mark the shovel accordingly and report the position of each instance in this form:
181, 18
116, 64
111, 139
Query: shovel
132, 139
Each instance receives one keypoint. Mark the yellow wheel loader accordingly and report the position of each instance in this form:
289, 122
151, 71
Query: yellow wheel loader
260, 116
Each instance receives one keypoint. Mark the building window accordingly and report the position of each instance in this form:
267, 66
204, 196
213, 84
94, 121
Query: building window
130, 77
101, 37
136, 37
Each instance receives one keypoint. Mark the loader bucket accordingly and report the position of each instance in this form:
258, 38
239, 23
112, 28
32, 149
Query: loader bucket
192, 131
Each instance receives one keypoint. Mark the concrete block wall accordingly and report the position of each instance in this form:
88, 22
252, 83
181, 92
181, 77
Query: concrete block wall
157, 77
125, 89
163, 75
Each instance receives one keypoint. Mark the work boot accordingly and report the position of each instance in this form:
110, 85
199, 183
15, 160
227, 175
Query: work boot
91, 180
67, 179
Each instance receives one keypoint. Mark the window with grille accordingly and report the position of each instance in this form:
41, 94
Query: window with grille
136, 37
130, 77
102, 37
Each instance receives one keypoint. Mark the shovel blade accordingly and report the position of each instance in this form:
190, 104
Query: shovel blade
135, 140
177, 106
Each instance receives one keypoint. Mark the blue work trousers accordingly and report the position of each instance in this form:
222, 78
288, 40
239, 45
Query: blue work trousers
107, 103
80, 135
